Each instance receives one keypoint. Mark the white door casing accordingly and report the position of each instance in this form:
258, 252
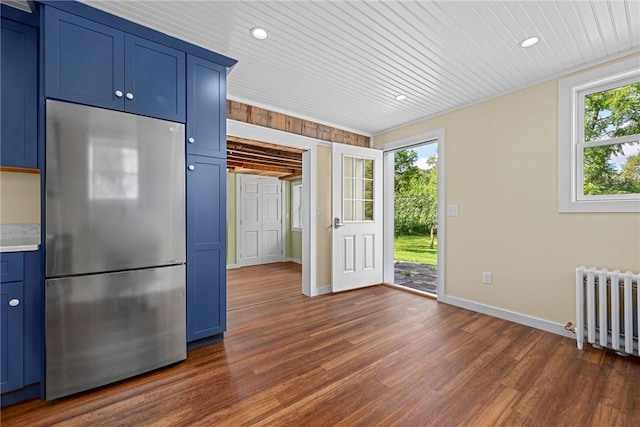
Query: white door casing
260, 220
357, 217
434, 136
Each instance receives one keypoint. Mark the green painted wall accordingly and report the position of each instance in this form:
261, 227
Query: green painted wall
294, 238
231, 217
287, 218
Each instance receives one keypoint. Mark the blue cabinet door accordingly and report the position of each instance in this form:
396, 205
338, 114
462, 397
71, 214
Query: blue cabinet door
154, 79
206, 247
19, 68
84, 60
206, 108
11, 336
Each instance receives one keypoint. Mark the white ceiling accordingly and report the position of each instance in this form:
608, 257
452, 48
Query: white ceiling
341, 63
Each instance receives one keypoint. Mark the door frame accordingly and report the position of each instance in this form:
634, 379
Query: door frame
309, 189
435, 136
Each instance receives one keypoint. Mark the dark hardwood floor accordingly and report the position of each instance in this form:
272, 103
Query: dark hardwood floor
375, 356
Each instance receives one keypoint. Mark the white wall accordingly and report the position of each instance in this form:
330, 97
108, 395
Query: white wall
501, 169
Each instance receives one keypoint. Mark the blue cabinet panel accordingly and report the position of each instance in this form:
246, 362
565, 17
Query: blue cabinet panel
206, 247
33, 316
84, 60
155, 76
11, 267
11, 336
206, 108
19, 67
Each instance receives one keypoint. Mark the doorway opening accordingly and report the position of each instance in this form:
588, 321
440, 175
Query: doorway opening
434, 143
260, 178
415, 219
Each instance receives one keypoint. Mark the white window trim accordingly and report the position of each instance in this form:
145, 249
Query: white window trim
296, 200
570, 129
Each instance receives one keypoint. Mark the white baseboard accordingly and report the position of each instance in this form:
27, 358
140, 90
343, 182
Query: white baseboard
322, 290
533, 322
296, 260
233, 266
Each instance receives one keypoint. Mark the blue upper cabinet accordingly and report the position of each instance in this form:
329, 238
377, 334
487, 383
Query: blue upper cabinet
154, 79
206, 108
84, 60
206, 247
94, 64
19, 68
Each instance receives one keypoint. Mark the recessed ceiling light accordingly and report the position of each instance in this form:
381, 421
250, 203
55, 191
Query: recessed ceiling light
259, 33
529, 41
401, 97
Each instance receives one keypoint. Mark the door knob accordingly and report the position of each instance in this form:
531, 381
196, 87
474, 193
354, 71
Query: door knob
129, 95
191, 167
337, 223
14, 302
119, 93
191, 140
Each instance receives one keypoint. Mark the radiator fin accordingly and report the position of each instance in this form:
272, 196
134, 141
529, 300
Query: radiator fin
607, 309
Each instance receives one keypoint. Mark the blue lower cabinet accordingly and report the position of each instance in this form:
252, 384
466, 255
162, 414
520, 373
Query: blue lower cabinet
12, 334
206, 247
20, 326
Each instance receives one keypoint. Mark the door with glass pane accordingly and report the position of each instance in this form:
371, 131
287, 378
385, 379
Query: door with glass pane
357, 217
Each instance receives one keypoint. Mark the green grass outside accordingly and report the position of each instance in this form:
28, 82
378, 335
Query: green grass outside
415, 249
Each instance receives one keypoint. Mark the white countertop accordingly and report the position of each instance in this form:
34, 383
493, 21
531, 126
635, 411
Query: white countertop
18, 248
19, 237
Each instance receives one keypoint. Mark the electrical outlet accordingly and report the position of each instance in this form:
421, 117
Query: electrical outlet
486, 277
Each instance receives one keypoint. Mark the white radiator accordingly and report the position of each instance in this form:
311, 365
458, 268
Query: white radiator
607, 309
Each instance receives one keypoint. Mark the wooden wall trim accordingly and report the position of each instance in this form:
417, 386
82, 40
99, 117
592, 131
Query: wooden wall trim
270, 119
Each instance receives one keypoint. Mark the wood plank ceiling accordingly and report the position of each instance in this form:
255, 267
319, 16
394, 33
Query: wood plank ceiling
341, 63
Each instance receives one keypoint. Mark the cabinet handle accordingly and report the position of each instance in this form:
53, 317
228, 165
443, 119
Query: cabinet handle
14, 302
191, 140
129, 95
191, 167
119, 94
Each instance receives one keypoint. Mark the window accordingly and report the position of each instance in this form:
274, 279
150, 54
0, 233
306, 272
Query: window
296, 206
357, 196
599, 140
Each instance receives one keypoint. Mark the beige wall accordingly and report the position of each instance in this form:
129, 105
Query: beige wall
501, 169
323, 226
19, 198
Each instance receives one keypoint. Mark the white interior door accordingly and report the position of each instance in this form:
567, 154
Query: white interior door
357, 217
260, 220
250, 220
271, 221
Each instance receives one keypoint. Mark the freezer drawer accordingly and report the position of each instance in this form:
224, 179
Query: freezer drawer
106, 327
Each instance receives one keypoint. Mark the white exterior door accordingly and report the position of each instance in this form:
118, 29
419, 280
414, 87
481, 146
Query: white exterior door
357, 217
260, 220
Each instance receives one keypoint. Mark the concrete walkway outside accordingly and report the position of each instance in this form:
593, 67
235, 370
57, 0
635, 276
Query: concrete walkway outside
422, 277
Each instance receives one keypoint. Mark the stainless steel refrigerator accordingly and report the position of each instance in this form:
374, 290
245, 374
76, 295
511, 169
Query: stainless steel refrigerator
115, 246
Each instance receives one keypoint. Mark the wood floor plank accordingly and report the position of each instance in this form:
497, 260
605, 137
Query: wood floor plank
374, 356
